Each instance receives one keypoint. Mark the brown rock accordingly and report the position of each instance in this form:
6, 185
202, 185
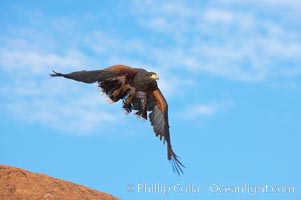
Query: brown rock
16, 183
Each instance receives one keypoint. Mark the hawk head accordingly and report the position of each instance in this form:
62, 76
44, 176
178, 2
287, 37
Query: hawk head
144, 78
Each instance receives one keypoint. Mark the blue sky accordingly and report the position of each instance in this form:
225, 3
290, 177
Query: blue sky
230, 70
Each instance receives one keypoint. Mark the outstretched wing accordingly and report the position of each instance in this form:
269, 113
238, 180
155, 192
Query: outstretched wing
86, 76
98, 75
159, 120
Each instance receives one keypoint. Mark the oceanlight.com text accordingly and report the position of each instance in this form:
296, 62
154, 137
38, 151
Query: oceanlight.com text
251, 189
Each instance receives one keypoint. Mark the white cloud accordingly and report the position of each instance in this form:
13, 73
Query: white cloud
225, 39
34, 62
206, 110
294, 5
59, 104
215, 16
32, 96
203, 110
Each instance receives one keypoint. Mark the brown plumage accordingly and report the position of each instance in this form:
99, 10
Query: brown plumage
138, 90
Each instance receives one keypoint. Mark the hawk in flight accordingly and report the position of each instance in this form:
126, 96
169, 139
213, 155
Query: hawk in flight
138, 90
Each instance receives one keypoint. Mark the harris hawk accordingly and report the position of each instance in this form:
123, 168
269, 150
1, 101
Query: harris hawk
138, 90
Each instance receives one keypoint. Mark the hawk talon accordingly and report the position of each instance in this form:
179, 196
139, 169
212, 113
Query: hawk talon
127, 107
109, 100
141, 114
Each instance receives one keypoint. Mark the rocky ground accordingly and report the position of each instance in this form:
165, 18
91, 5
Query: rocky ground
16, 183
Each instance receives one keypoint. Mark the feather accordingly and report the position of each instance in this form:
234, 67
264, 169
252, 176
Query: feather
86, 76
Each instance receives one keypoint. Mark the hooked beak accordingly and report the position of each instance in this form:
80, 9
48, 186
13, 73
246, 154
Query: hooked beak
155, 77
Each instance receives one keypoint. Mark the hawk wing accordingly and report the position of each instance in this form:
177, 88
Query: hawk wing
87, 76
159, 120
98, 75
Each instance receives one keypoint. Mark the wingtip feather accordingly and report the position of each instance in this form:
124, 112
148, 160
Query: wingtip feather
175, 162
55, 74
